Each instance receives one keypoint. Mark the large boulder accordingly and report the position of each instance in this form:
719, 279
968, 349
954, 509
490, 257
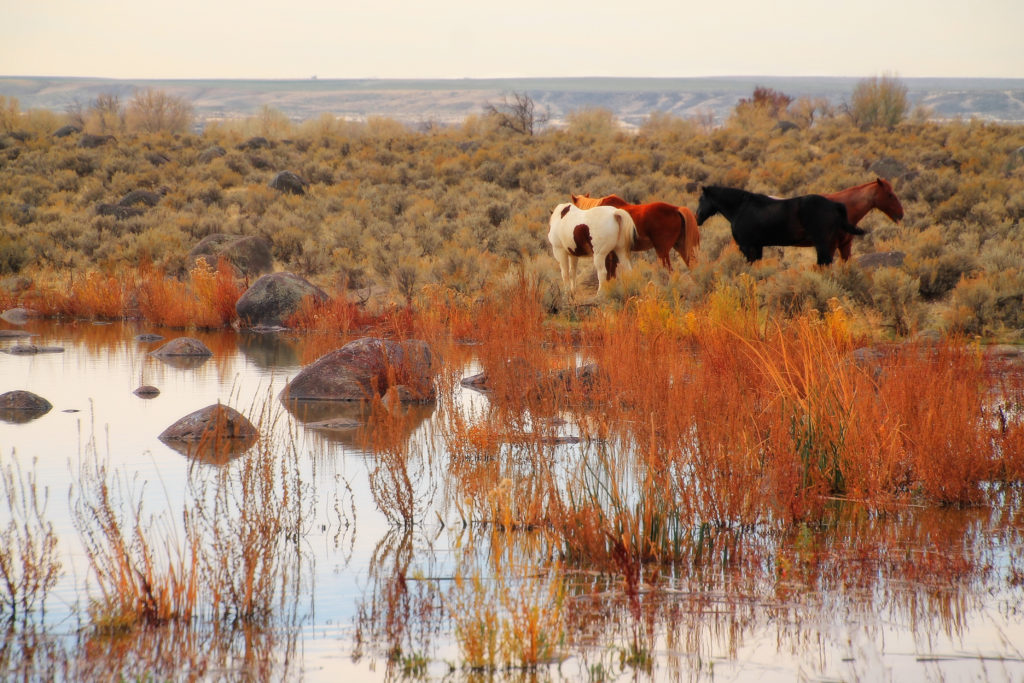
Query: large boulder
367, 368
20, 406
287, 181
273, 298
248, 255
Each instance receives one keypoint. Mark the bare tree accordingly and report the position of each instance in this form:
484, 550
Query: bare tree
151, 111
517, 113
878, 102
106, 114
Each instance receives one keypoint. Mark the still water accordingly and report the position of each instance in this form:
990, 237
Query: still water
914, 595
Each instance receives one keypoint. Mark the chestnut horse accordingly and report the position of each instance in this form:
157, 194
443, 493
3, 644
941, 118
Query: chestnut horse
859, 201
601, 231
660, 226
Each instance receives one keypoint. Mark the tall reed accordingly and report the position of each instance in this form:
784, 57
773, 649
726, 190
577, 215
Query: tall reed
29, 565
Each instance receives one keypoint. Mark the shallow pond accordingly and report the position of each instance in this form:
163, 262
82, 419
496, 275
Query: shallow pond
914, 594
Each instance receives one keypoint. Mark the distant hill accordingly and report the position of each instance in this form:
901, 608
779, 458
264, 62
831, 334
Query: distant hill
450, 101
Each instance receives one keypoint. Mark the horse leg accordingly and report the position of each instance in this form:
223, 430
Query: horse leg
825, 248
602, 271
665, 256
572, 275
611, 262
563, 265
623, 258
845, 246
753, 252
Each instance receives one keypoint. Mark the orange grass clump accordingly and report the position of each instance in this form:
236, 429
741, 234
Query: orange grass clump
206, 300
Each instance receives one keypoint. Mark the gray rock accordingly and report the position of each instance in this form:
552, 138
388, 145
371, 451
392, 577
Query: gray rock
211, 153
149, 337
273, 298
889, 168
32, 349
367, 368
140, 197
287, 181
881, 259
183, 346
147, 391
215, 435
21, 406
18, 316
215, 421
248, 255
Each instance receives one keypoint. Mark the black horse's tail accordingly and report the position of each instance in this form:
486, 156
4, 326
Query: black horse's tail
845, 223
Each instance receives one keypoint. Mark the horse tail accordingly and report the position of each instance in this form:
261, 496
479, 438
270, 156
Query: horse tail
690, 238
626, 221
844, 221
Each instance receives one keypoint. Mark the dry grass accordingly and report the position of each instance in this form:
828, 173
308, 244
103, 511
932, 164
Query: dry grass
29, 565
235, 559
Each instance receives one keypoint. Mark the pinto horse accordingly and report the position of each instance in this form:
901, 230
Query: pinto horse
859, 201
760, 221
601, 231
660, 226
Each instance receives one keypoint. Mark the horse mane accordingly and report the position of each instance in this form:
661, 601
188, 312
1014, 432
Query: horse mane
732, 194
585, 201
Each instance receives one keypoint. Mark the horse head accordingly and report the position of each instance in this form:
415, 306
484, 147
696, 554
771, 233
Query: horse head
886, 200
706, 207
577, 197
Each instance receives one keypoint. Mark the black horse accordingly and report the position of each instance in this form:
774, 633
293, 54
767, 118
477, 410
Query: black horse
760, 221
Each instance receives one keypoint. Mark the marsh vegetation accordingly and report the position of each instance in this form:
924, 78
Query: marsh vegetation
753, 468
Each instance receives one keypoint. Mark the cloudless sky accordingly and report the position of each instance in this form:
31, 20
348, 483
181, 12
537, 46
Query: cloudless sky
518, 38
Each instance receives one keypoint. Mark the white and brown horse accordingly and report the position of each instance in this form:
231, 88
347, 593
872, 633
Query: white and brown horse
600, 231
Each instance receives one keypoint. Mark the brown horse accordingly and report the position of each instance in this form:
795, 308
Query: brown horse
859, 201
660, 226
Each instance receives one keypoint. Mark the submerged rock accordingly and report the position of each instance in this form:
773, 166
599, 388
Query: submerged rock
183, 346
367, 368
215, 421
21, 406
31, 349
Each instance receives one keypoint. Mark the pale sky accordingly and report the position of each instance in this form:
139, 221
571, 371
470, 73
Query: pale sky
135, 39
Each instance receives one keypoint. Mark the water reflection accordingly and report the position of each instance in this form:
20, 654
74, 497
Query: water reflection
906, 592
269, 349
